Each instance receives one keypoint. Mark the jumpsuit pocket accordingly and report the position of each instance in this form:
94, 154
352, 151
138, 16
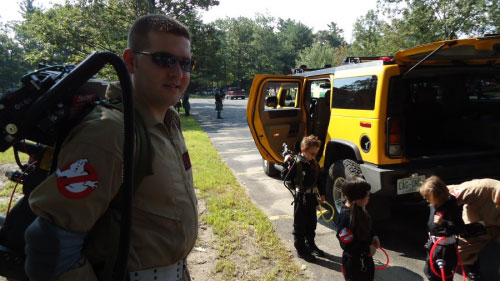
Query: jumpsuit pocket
166, 210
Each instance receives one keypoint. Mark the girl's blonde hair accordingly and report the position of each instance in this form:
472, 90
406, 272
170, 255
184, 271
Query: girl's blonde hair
434, 190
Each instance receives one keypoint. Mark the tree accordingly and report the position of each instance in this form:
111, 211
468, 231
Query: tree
494, 10
266, 46
425, 21
368, 36
294, 36
70, 32
27, 7
238, 52
209, 61
12, 64
333, 36
318, 55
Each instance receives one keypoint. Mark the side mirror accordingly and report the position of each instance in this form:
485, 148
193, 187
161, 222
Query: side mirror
272, 101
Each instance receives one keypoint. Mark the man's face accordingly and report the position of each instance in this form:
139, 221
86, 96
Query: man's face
158, 86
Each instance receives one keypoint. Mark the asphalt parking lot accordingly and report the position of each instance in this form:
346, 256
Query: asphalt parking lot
403, 236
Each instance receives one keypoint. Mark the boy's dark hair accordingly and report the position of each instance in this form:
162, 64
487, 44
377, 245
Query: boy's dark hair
138, 34
355, 188
310, 141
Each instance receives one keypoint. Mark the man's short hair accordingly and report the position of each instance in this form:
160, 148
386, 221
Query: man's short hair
310, 141
138, 34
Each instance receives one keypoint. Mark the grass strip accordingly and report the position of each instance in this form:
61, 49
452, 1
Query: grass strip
233, 216
8, 157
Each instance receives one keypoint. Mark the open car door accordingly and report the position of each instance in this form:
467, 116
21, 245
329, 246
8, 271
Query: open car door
472, 51
276, 114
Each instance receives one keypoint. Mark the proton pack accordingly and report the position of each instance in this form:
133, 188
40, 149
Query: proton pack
35, 119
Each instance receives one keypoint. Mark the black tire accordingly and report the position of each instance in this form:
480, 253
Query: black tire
269, 169
338, 172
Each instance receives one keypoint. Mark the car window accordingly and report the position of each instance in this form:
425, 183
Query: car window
354, 92
483, 88
288, 94
280, 94
319, 88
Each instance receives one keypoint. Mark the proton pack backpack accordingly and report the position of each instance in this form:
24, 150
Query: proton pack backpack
298, 181
102, 242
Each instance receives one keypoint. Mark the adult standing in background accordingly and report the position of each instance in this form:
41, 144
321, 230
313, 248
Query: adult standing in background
218, 103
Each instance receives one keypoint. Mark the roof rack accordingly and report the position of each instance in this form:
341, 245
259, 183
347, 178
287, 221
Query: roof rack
303, 68
351, 60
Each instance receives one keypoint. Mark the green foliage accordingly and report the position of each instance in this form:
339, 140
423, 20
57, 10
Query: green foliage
66, 34
417, 22
332, 36
368, 35
12, 64
8, 157
293, 37
319, 55
229, 52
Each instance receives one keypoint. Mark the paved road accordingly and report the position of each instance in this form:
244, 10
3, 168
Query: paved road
403, 236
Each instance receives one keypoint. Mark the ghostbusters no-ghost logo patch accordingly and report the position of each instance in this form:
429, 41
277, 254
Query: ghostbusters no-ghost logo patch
346, 235
77, 179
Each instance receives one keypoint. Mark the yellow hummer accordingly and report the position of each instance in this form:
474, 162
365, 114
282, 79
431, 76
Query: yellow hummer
428, 110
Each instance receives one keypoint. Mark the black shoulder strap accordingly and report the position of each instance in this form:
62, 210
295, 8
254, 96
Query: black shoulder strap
143, 156
101, 246
299, 175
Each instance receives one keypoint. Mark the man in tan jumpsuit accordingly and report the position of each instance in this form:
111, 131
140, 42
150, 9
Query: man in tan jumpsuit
481, 201
164, 215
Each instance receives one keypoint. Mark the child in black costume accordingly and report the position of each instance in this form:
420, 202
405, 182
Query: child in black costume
303, 176
355, 232
445, 219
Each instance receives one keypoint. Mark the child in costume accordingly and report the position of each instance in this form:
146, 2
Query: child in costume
355, 232
445, 220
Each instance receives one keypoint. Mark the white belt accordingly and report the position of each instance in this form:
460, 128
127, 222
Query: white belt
446, 241
171, 272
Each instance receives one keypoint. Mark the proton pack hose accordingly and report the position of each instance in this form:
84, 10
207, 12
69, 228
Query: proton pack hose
433, 268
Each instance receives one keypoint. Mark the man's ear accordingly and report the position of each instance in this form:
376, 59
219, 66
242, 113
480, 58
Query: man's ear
129, 60
303, 149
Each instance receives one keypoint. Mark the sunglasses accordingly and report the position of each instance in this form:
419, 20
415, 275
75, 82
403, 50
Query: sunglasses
163, 59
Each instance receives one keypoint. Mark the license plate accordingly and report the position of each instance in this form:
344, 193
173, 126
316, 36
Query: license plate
409, 185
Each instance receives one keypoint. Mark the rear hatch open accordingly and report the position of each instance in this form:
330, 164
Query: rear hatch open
448, 100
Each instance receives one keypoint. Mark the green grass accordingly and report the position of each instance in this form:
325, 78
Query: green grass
233, 216
6, 191
8, 156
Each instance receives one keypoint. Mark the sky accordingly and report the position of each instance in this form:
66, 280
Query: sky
316, 14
